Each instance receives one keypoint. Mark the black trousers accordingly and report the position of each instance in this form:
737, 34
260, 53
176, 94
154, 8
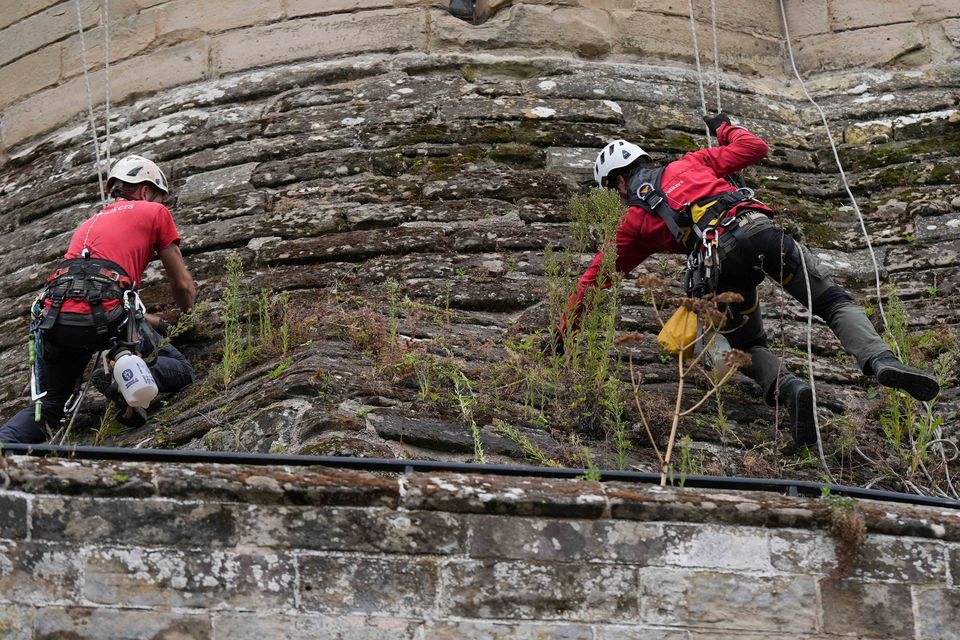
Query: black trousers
66, 353
757, 248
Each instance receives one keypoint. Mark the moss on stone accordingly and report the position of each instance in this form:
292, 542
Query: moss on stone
682, 142
518, 154
494, 133
820, 234
389, 163
446, 166
533, 134
943, 173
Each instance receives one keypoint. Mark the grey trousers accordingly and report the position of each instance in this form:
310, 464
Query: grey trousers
758, 248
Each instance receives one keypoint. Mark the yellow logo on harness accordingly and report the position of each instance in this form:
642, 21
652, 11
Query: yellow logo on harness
697, 211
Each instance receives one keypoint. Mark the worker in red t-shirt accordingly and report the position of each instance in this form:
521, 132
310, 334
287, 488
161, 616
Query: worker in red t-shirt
82, 310
750, 247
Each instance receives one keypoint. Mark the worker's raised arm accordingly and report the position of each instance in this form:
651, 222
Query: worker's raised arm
182, 288
738, 147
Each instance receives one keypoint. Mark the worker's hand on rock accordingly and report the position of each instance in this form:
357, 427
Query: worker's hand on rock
714, 121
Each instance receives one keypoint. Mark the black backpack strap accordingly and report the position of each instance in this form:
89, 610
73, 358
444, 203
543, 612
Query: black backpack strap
648, 195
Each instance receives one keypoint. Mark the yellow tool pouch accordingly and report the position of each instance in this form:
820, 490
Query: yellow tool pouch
679, 333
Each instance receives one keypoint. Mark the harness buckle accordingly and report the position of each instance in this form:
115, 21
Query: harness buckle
648, 193
746, 192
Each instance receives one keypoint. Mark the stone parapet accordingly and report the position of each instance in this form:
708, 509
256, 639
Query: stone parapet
158, 44
214, 551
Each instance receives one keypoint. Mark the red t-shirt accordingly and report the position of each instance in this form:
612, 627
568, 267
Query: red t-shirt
128, 232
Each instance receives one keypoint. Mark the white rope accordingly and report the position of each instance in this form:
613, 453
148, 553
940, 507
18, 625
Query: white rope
716, 51
843, 175
813, 384
106, 74
696, 55
86, 81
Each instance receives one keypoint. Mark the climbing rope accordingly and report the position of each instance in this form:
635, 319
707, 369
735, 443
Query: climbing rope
813, 383
105, 12
696, 56
843, 175
86, 81
716, 51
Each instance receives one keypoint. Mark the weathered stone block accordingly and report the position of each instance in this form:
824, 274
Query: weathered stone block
528, 26
29, 74
128, 36
106, 623
728, 600
807, 18
174, 578
514, 496
668, 36
637, 502
160, 69
953, 559
717, 547
938, 613
637, 632
479, 630
882, 558
262, 485
135, 522
16, 623
13, 516
446, 435
51, 475
873, 47
298, 8
229, 180
938, 228
19, 10
857, 14
566, 540
352, 246
327, 36
353, 529
188, 18
238, 626
868, 132
45, 27
352, 584
546, 591
869, 609
951, 28
37, 572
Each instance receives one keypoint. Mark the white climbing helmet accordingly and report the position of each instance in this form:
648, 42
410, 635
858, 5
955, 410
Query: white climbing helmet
616, 155
136, 169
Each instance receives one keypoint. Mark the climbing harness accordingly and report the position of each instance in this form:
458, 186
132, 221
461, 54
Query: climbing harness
93, 280
696, 227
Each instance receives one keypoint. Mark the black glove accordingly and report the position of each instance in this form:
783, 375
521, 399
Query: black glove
163, 327
714, 121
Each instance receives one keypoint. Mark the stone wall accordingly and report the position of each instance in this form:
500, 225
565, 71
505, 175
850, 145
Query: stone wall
110, 550
161, 44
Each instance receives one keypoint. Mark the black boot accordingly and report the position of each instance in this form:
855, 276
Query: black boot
797, 396
890, 372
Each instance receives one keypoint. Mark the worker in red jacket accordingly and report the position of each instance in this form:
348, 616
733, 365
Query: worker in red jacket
749, 246
81, 310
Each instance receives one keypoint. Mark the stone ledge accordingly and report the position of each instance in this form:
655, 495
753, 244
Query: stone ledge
455, 493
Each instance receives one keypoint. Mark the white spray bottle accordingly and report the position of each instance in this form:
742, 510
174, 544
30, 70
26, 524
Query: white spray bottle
134, 380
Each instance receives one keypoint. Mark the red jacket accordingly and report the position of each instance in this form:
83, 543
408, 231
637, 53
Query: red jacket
694, 176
